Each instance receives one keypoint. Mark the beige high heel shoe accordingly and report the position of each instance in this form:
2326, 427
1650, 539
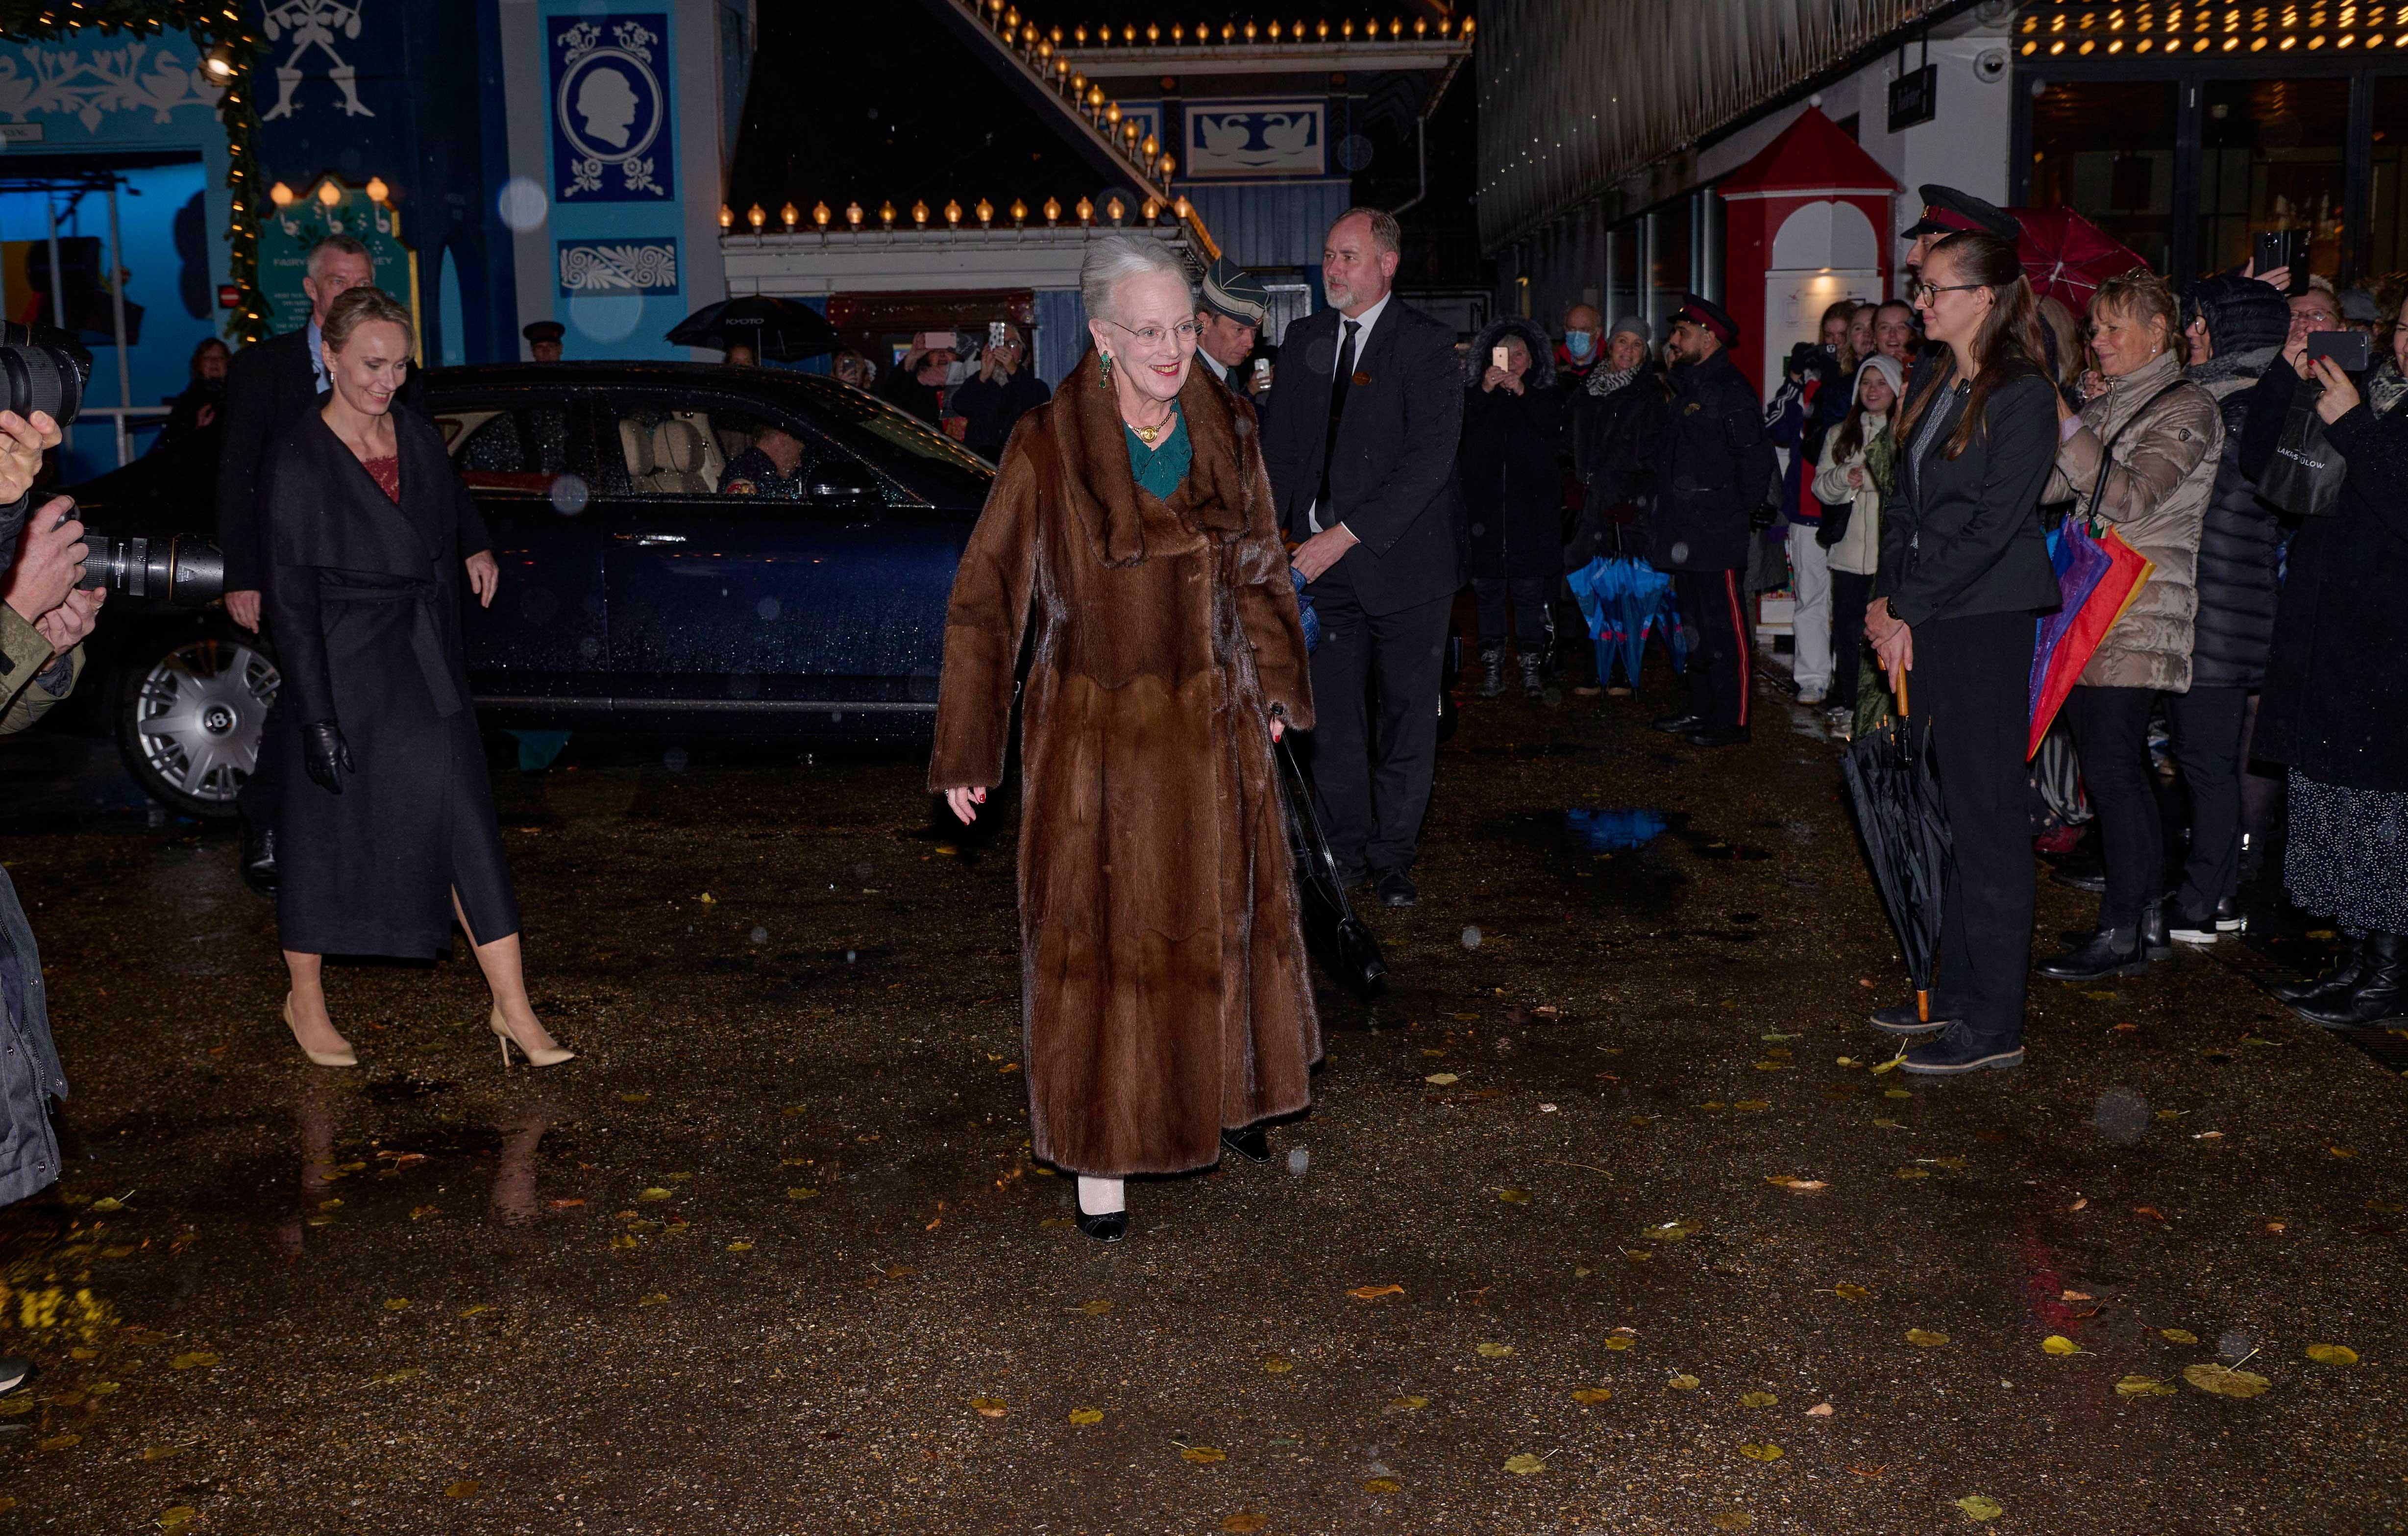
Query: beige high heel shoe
343, 1057
550, 1055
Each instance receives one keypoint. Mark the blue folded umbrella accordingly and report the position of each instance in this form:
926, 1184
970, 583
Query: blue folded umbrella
1623, 599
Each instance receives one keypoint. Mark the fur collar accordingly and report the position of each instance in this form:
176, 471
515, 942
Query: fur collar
1099, 486
2228, 372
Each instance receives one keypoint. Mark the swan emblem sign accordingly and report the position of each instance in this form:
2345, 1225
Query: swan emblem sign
1256, 138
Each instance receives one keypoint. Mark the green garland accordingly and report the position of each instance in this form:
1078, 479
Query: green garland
207, 22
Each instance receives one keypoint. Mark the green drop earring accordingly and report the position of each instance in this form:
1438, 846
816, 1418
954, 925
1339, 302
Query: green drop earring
1104, 369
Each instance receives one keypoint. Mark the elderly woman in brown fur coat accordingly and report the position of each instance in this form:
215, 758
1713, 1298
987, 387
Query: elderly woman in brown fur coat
1165, 1003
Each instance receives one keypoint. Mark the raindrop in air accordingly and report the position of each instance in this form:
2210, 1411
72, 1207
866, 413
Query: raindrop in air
674, 759
569, 495
767, 608
1298, 1159
1680, 551
2233, 1345
760, 935
521, 204
849, 956
1472, 939
2121, 1116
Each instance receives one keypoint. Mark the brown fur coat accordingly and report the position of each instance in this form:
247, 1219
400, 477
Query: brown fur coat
1164, 990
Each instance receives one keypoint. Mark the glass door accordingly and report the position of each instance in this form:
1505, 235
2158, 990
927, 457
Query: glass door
2106, 150
2272, 156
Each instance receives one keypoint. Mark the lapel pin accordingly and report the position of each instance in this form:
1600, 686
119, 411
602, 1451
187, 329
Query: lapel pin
1361, 379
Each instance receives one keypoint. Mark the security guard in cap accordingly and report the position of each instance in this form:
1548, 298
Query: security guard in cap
543, 340
1228, 322
1713, 468
1947, 211
772, 466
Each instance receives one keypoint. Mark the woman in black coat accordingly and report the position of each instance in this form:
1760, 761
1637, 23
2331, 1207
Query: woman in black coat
367, 528
1513, 494
1964, 571
2331, 709
992, 401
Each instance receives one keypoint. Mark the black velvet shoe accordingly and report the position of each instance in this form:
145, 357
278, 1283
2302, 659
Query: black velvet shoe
1249, 1143
258, 860
2082, 872
2155, 943
1678, 725
1956, 1051
1904, 1020
2110, 952
1719, 736
2338, 982
2380, 996
1107, 1228
1396, 889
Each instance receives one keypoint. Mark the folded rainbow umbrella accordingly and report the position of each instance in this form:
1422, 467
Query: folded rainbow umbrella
2099, 577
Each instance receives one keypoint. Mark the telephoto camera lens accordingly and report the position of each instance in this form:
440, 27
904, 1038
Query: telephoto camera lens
42, 370
184, 569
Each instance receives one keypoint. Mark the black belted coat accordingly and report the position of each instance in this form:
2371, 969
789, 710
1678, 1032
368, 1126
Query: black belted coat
364, 599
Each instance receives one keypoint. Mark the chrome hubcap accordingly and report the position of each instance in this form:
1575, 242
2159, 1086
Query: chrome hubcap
198, 713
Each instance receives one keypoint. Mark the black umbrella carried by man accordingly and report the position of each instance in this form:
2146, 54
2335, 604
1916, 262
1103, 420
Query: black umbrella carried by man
782, 330
1891, 777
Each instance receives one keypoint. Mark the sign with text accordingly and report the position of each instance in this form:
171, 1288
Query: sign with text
1255, 138
1914, 98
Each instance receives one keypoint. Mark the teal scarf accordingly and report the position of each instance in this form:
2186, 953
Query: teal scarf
1160, 469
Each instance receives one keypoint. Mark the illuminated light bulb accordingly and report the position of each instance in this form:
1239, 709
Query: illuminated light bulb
1079, 32
328, 193
1467, 28
1116, 209
820, 214
1152, 145
1152, 210
1096, 98
919, 212
952, 213
886, 214
1079, 83
1061, 66
790, 215
1086, 212
726, 217
1444, 22
377, 190
1322, 31
1019, 213
1052, 211
852, 214
1111, 113
1152, 33
1166, 165
1346, 29
1177, 32
756, 217
1274, 32
1421, 26
1181, 207
985, 212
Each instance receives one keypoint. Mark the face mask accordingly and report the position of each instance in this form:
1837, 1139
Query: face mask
1579, 344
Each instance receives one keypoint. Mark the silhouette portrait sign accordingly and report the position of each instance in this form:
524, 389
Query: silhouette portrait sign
611, 133
1255, 138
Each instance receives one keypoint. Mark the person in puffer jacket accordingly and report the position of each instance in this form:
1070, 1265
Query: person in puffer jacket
2235, 326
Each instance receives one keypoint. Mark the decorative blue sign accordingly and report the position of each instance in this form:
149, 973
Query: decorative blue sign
611, 133
1233, 138
645, 265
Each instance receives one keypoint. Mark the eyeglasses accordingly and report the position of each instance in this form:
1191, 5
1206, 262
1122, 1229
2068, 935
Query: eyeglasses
1153, 337
1924, 293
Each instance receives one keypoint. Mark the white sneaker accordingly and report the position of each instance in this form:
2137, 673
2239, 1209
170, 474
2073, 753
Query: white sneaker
15, 1373
1810, 695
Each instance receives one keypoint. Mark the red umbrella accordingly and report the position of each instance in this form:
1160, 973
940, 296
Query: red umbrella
2067, 256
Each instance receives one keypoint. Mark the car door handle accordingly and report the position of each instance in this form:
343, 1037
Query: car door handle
654, 537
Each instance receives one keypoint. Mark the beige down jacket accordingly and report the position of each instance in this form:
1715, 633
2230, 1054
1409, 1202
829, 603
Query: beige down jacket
1858, 550
2155, 496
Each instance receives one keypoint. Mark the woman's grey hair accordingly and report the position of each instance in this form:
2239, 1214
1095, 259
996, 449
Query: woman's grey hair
1116, 258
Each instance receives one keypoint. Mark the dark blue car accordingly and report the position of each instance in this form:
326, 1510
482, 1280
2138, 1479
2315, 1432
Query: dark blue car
636, 593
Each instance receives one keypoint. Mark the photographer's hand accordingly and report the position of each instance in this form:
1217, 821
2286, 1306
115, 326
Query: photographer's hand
21, 443
66, 626
323, 751
50, 559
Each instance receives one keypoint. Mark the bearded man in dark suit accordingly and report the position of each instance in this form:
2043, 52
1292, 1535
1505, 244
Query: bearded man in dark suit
1359, 435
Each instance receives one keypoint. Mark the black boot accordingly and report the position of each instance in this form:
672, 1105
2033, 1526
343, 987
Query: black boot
258, 858
2380, 996
2109, 952
2156, 942
1534, 676
2339, 982
1492, 671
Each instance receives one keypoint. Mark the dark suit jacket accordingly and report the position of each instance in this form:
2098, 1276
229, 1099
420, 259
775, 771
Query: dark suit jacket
1392, 479
1962, 537
270, 383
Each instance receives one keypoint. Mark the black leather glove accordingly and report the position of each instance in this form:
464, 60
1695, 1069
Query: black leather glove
323, 751
1763, 517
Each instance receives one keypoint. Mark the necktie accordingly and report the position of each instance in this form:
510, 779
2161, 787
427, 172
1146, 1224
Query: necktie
1341, 380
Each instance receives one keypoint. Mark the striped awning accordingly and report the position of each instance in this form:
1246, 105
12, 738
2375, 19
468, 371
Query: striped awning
1577, 94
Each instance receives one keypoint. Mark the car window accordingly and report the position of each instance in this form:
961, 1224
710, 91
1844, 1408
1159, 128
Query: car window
851, 414
709, 447
517, 449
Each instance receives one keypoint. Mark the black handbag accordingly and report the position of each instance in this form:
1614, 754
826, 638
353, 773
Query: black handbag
1331, 929
2305, 476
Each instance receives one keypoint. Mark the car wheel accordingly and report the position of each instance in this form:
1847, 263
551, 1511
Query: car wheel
189, 719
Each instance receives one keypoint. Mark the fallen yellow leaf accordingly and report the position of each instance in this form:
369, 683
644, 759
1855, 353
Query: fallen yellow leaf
396, 1304
1495, 1352
2178, 1336
194, 1360
1732, 1520
1086, 1415
1760, 1453
1409, 1403
1373, 1293
464, 1488
1848, 1291
2057, 1343
655, 1193
1514, 1197
1592, 1394
177, 1516
1381, 1484
2143, 1387
1981, 1507
1096, 1307
1926, 1338
1619, 1341
799, 1193
1203, 1455
2332, 1353
1277, 1365
1683, 1384
1756, 1400
1246, 1520
2225, 1382
1525, 1464
1443, 1080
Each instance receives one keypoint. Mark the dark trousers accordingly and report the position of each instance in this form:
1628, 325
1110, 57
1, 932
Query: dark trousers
1972, 679
1525, 598
1850, 594
1713, 610
1375, 699
2110, 735
2207, 730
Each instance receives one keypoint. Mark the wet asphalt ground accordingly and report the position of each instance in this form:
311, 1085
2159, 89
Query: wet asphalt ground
769, 1256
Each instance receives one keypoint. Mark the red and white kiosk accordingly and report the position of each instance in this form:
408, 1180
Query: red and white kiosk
1805, 224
